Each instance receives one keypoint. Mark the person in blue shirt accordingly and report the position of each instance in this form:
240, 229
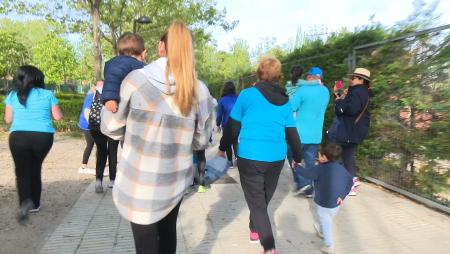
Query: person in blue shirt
83, 124
29, 108
225, 106
262, 118
332, 183
310, 104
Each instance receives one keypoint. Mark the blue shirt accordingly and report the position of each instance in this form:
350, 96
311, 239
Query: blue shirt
331, 181
36, 115
262, 136
310, 104
83, 122
224, 109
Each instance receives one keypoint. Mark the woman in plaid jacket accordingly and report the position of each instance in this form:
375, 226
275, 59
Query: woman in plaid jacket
168, 114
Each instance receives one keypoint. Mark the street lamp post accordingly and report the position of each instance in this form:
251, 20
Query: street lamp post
141, 20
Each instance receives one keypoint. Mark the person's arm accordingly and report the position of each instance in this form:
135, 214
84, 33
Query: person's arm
113, 124
219, 114
56, 113
309, 173
205, 117
297, 101
113, 80
350, 105
8, 114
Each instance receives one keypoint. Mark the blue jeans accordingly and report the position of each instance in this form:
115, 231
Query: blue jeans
325, 216
309, 156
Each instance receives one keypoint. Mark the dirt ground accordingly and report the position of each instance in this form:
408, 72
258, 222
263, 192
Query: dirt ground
62, 186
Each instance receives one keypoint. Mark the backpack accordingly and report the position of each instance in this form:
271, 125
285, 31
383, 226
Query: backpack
94, 114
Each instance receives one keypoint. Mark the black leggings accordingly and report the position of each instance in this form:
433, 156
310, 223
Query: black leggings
348, 158
89, 146
259, 180
159, 237
106, 149
230, 150
29, 150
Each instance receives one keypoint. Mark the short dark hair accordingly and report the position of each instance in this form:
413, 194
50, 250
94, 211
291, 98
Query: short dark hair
130, 44
26, 78
331, 150
296, 73
228, 88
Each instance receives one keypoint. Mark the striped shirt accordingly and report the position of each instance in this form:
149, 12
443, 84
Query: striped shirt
156, 161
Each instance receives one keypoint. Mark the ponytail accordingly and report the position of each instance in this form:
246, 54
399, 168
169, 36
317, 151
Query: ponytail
180, 55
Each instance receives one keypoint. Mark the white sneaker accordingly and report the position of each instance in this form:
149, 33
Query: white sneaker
35, 210
356, 182
98, 186
327, 249
352, 192
111, 184
87, 171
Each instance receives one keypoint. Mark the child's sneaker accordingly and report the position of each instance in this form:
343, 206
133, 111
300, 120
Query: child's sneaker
327, 249
254, 237
352, 192
356, 182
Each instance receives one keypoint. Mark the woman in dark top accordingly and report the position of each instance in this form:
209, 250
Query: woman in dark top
353, 108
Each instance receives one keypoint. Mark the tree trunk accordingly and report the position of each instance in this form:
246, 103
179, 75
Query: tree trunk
95, 14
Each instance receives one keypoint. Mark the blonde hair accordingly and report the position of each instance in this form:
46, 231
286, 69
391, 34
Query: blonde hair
269, 69
180, 55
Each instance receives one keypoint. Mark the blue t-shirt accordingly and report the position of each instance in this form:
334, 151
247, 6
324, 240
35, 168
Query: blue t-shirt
36, 115
262, 136
83, 122
310, 104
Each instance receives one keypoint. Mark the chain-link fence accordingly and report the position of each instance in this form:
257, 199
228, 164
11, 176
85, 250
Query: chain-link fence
408, 148
409, 143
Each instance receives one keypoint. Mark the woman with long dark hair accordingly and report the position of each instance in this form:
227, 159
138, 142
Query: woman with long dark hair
224, 108
164, 114
29, 107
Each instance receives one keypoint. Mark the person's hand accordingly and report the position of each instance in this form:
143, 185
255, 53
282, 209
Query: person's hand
339, 201
219, 129
221, 154
111, 106
294, 164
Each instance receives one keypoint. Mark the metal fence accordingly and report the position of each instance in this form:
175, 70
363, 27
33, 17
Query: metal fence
408, 148
409, 145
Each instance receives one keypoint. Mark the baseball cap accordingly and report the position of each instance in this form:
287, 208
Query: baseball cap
316, 71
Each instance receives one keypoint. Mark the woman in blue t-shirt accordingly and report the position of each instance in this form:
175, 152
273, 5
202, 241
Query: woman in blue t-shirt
29, 108
262, 118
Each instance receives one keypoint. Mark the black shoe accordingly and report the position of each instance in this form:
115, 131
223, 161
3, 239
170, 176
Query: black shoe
22, 214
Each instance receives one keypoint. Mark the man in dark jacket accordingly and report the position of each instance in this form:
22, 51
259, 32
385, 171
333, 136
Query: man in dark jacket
352, 108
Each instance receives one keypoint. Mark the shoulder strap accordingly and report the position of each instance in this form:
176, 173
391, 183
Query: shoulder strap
362, 112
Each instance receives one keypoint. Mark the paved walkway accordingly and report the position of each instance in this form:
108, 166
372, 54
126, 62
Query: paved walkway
216, 222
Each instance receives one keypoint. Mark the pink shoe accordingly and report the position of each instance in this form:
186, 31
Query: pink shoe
356, 182
272, 251
353, 191
254, 237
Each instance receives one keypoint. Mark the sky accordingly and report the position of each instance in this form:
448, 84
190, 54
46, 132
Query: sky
282, 18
